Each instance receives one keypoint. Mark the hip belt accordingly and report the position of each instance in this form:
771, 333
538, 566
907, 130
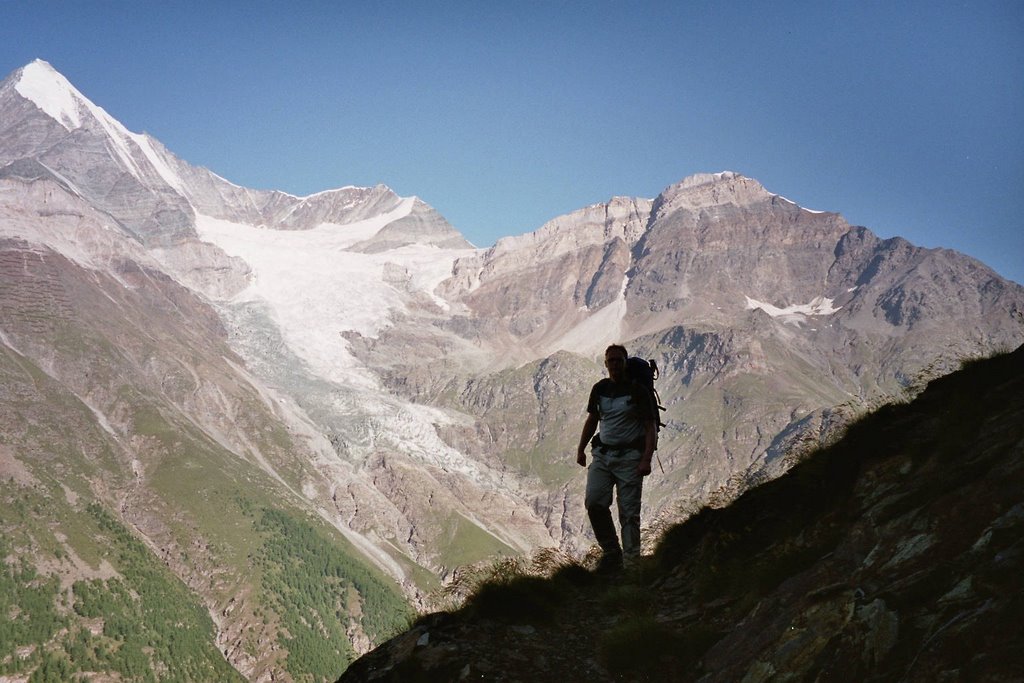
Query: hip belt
619, 449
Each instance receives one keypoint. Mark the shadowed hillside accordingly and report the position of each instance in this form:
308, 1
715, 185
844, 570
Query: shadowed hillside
895, 554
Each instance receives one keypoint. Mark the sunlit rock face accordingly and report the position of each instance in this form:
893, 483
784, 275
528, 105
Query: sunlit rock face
351, 355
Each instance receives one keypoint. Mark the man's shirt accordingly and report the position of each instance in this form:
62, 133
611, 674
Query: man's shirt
622, 408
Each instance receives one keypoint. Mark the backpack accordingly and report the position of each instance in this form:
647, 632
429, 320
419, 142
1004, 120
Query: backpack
644, 372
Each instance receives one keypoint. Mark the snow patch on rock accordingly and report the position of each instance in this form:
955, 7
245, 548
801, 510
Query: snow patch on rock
795, 313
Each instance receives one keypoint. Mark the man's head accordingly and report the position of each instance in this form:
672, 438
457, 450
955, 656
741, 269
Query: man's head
615, 361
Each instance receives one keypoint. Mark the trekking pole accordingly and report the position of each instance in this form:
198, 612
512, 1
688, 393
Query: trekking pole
659, 463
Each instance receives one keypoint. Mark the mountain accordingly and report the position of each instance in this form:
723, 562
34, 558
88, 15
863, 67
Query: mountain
892, 555
228, 394
771, 323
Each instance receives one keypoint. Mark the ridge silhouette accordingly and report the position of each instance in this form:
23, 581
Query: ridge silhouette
897, 553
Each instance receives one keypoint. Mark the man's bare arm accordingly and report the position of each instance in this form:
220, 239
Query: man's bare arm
589, 428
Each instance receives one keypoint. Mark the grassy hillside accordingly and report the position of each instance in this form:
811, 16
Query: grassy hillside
114, 565
85, 595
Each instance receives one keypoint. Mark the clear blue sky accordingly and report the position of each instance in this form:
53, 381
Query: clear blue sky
906, 117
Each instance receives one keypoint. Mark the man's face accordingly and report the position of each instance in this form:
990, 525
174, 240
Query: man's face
615, 361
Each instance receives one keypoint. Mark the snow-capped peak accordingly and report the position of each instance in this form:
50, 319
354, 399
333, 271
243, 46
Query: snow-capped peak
47, 88
51, 92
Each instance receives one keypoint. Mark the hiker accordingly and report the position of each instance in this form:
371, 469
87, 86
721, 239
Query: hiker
622, 453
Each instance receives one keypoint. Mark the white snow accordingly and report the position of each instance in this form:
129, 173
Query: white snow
51, 92
819, 305
317, 290
161, 167
787, 199
54, 95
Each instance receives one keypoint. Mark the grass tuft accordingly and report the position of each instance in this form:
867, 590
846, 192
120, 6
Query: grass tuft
627, 598
524, 598
640, 646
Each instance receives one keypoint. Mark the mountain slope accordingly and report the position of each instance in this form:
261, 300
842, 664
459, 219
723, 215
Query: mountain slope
124, 398
223, 371
386, 238
894, 554
124, 413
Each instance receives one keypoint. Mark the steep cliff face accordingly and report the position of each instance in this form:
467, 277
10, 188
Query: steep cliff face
527, 293
894, 554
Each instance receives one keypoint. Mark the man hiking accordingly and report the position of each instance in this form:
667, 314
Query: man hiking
622, 454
